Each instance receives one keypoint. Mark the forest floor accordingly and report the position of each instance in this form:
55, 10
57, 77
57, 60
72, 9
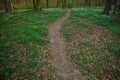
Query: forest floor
92, 42
65, 69
24, 44
49, 45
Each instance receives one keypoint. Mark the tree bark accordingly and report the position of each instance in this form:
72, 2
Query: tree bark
107, 7
47, 3
36, 5
57, 3
118, 16
63, 4
87, 3
8, 5
115, 4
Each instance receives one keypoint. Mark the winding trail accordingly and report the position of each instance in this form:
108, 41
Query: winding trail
65, 69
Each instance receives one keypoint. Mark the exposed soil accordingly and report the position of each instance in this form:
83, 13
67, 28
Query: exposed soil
65, 69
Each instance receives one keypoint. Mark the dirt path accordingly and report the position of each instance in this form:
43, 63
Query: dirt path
65, 69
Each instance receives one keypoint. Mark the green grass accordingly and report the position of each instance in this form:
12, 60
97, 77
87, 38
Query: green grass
67, 32
10, 69
114, 50
52, 69
68, 29
76, 21
3, 46
34, 54
14, 59
95, 15
87, 43
24, 43
94, 52
32, 64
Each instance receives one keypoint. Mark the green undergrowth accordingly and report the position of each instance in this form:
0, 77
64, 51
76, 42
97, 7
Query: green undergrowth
24, 51
96, 54
95, 15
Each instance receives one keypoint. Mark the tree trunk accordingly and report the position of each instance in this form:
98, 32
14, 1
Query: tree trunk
2, 7
118, 16
87, 3
63, 4
57, 3
36, 5
115, 4
107, 7
47, 4
8, 5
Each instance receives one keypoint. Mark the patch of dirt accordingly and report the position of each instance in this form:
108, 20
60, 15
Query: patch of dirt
65, 69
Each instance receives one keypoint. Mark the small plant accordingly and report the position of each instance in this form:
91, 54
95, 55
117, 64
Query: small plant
52, 69
89, 73
24, 41
2, 57
84, 60
43, 31
77, 58
100, 77
45, 63
74, 20
3, 46
114, 51
35, 54
32, 64
67, 32
51, 78
14, 59
68, 35
10, 69
39, 40
87, 43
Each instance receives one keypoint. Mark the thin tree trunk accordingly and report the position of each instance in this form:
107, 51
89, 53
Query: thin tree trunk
107, 7
8, 5
118, 16
36, 5
57, 1
115, 4
63, 4
47, 4
87, 3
